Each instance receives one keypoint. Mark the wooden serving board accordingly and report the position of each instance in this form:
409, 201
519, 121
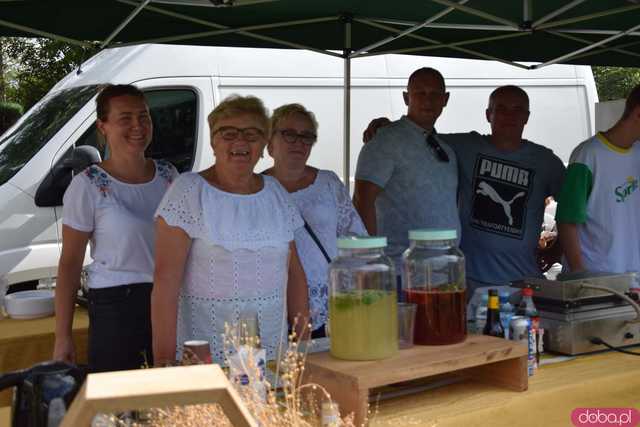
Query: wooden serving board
487, 359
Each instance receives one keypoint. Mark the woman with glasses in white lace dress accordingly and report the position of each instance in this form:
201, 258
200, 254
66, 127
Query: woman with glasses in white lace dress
225, 244
320, 196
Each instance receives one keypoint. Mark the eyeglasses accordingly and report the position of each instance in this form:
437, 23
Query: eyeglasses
437, 148
290, 136
232, 133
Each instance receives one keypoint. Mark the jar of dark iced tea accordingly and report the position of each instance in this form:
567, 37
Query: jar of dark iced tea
433, 278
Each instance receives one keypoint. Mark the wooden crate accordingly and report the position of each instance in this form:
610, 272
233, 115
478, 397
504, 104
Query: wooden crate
491, 360
119, 391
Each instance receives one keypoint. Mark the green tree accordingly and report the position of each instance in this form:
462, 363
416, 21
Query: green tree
615, 82
3, 83
36, 65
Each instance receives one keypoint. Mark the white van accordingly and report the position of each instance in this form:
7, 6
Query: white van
184, 83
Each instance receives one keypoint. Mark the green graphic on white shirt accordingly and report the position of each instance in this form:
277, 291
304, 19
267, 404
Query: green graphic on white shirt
623, 191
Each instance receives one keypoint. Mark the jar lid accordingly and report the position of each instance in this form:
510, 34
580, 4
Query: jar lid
433, 234
361, 242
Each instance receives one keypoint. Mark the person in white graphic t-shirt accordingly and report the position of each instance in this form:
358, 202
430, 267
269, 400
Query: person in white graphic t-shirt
600, 200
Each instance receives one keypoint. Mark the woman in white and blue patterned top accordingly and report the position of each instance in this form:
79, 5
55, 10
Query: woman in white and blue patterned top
110, 206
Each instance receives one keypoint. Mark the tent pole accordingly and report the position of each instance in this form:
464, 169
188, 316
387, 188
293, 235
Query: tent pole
449, 45
587, 48
347, 104
437, 25
405, 23
587, 31
227, 30
124, 23
606, 49
557, 12
432, 41
527, 13
477, 12
590, 17
408, 31
588, 42
40, 33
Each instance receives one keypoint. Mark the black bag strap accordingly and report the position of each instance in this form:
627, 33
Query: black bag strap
315, 239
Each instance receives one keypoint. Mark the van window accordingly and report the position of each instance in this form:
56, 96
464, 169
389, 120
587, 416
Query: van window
174, 113
41, 123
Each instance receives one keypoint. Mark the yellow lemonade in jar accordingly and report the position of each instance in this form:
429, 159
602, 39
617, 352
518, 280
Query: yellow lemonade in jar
363, 324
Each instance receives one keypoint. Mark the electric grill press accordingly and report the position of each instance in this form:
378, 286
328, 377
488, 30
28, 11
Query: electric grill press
586, 314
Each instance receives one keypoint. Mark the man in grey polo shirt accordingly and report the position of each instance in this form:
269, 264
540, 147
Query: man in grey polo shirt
406, 176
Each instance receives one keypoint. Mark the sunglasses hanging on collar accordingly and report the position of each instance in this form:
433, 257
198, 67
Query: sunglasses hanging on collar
437, 148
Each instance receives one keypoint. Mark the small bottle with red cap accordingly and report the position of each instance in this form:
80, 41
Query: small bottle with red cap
528, 309
526, 306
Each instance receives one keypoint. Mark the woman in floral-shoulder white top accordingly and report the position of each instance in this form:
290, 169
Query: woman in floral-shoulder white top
225, 244
110, 207
320, 196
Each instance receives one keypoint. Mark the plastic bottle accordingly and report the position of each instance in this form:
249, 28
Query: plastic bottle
526, 306
57, 410
506, 312
330, 415
481, 313
247, 365
4, 285
493, 326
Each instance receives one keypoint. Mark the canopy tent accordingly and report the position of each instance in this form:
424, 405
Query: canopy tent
593, 32
603, 32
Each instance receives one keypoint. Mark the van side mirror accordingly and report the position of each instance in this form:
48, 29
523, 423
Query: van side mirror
81, 158
53, 186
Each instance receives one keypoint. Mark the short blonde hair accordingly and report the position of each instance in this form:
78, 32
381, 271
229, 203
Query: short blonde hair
236, 105
289, 109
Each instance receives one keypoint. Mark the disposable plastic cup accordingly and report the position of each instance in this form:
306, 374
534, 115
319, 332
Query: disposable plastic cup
249, 329
197, 351
406, 324
4, 285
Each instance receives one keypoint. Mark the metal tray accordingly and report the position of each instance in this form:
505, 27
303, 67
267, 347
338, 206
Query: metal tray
572, 290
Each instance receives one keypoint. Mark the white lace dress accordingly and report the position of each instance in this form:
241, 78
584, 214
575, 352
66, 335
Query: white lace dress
238, 261
325, 205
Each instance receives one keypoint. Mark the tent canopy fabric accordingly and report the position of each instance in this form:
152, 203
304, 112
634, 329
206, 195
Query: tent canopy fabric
590, 32
594, 32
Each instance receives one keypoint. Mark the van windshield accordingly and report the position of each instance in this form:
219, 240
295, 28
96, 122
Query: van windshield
42, 122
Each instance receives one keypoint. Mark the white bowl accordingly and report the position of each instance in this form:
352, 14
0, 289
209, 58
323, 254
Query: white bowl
29, 304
